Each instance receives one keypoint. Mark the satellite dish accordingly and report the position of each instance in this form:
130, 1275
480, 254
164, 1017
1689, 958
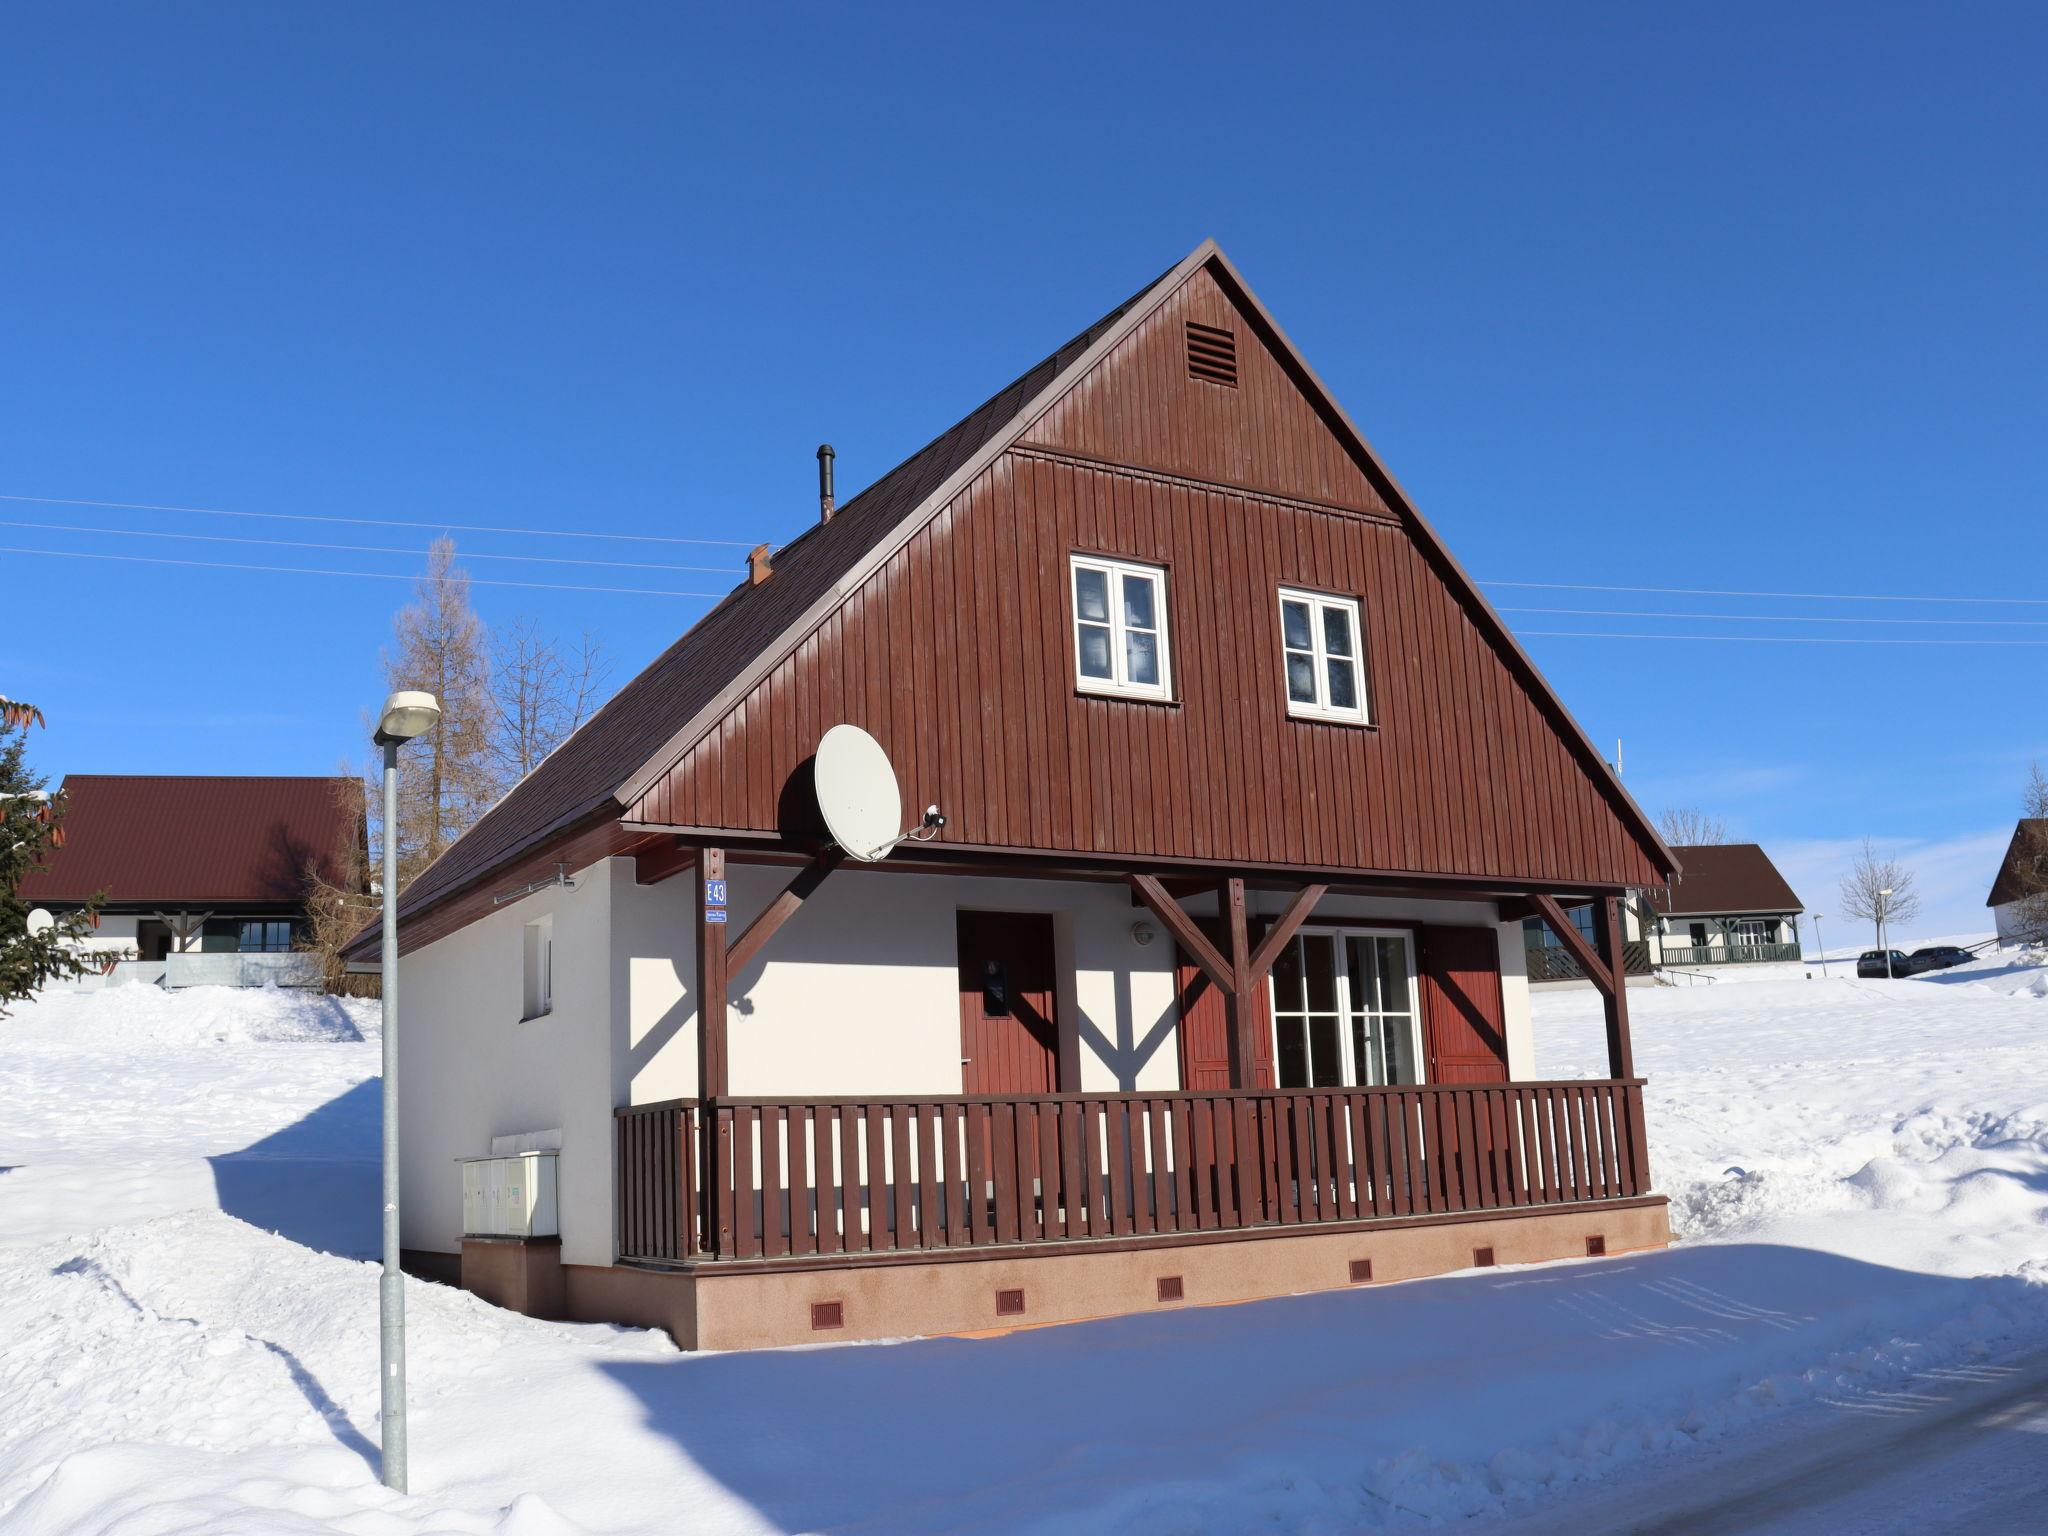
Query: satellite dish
857, 794
40, 922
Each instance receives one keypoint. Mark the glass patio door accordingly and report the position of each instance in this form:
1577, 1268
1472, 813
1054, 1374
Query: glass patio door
1344, 1009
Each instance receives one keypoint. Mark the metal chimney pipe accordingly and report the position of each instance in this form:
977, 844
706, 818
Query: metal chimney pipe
825, 458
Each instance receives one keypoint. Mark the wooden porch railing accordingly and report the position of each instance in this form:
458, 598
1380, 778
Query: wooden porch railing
819, 1177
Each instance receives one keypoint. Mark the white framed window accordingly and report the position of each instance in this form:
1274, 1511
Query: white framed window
1344, 1009
1120, 642
1322, 661
538, 966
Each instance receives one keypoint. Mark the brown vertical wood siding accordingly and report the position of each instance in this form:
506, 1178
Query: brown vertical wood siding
957, 653
1140, 407
957, 656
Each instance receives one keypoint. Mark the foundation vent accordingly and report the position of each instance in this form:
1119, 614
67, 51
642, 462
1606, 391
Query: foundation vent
1170, 1288
1009, 1303
1596, 1246
1482, 1258
1361, 1271
1212, 354
827, 1314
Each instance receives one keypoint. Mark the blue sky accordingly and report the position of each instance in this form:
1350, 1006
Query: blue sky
1713, 297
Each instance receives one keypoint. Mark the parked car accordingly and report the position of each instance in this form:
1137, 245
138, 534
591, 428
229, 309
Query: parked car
1939, 957
1872, 963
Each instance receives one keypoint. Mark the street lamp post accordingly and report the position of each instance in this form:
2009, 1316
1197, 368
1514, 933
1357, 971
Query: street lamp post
1821, 944
406, 715
1884, 911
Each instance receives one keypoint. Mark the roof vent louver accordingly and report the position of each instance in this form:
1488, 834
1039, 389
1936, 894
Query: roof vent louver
1212, 354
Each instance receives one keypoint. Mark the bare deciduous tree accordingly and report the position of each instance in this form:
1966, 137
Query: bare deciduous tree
541, 691
448, 779
1879, 890
1686, 826
340, 903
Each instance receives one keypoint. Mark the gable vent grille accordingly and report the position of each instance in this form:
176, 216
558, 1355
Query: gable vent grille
1212, 354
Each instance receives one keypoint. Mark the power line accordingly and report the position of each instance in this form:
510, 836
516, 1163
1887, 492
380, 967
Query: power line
364, 549
372, 522
1595, 634
302, 570
1768, 618
1839, 597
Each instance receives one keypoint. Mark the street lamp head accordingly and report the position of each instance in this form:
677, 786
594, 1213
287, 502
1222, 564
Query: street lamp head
407, 714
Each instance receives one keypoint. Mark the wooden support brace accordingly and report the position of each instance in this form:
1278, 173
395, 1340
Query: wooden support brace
1284, 929
657, 861
1575, 943
780, 910
1185, 932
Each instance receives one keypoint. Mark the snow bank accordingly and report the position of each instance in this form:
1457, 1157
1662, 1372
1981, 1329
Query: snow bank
1861, 1171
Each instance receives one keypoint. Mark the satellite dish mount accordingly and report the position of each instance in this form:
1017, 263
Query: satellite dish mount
859, 799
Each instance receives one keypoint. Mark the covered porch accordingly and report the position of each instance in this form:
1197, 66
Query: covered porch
1440, 1174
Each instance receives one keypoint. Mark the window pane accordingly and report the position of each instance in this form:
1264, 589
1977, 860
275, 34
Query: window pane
1398, 1032
1294, 630
1365, 1050
1301, 678
1393, 970
1326, 1060
1141, 654
1287, 996
1319, 962
1095, 652
1360, 957
1091, 594
1138, 601
1292, 1062
1343, 684
1337, 631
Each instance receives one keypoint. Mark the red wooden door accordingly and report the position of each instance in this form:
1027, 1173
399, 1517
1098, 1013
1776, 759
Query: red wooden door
1009, 1033
1463, 1023
1205, 1021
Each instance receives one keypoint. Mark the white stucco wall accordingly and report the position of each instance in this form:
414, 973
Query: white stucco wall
860, 993
470, 1069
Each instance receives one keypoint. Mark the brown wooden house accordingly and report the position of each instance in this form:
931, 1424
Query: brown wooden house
1209, 988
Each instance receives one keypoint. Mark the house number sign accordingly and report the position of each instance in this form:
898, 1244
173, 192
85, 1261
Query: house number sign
714, 901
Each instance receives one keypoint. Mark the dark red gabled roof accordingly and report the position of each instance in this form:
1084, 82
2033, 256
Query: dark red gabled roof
162, 838
1725, 877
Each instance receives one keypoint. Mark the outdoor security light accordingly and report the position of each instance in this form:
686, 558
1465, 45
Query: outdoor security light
407, 714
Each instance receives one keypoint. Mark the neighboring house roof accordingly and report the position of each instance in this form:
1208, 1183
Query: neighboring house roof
657, 716
162, 838
1725, 877
2024, 870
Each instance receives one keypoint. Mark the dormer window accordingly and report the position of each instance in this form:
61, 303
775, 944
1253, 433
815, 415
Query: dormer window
1120, 628
1322, 661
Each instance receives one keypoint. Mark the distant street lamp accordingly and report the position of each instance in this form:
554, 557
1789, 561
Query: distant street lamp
1884, 911
406, 715
1820, 944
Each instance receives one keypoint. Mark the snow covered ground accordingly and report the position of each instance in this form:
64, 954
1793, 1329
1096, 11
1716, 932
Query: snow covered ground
1859, 1170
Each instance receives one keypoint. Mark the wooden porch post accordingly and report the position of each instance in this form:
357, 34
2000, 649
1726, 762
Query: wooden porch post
712, 1070
1243, 997
1621, 1056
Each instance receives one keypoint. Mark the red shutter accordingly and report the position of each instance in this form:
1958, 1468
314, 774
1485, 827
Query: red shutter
1205, 1021
1464, 1023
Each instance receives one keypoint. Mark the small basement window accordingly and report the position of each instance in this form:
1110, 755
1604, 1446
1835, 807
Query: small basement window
1321, 657
539, 966
1120, 628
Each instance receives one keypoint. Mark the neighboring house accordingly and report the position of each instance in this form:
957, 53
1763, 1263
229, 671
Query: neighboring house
1210, 987
205, 877
2019, 896
1730, 906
